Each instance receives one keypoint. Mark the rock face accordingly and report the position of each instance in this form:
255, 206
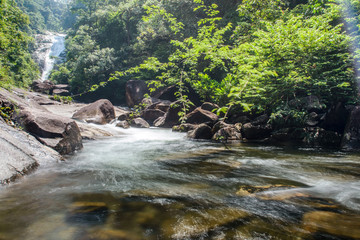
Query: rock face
135, 91
99, 112
351, 137
21, 153
59, 133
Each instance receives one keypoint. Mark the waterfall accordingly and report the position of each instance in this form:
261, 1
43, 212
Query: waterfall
50, 47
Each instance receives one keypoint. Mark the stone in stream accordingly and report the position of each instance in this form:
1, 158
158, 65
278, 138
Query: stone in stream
184, 127
150, 115
123, 124
99, 112
202, 131
139, 123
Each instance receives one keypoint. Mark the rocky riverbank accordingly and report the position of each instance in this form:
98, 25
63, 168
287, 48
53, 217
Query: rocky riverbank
36, 129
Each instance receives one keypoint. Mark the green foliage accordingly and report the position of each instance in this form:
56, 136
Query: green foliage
16, 66
63, 99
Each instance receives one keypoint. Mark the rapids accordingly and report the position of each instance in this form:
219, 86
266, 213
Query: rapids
156, 184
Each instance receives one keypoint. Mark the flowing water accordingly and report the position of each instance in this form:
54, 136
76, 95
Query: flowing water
50, 48
156, 184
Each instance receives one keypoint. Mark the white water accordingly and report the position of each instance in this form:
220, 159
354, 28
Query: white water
50, 48
157, 183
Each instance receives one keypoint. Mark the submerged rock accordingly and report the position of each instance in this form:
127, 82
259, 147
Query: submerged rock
123, 124
337, 224
99, 112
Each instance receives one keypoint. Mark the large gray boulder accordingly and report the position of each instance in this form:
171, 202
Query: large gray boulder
99, 112
21, 153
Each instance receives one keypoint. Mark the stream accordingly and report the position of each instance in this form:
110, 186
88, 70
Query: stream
156, 184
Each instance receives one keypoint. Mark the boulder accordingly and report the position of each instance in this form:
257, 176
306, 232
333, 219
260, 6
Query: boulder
227, 134
123, 124
162, 105
219, 125
184, 127
351, 137
135, 91
21, 153
262, 119
170, 118
139, 123
124, 116
150, 115
209, 106
99, 112
202, 131
59, 133
200, 115
256, 132
62, 86
42, 87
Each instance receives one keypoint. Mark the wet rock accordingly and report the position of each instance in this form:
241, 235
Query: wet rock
332, 223
150, 115
256, 132
227, 134
351, 137
139, 123
209, 106
252, 190
123, 124
202, 131
45, 87
59, 133
99, 112
88, 213
135, 91
91, 132
199, 225
199, 116
184, 127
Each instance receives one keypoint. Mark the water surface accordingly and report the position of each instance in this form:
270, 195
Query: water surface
156, 184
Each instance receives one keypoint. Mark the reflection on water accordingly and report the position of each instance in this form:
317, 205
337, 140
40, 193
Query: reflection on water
155, 184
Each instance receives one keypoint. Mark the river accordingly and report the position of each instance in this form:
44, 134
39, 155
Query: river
156, 184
